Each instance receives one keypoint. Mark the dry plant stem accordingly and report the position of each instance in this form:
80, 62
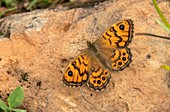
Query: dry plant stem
85, 97
153, 35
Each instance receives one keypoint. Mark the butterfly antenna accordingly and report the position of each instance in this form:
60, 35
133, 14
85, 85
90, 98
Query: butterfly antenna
153, 35
85, 97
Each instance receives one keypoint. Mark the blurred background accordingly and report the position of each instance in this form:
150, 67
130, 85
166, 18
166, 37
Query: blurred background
8, 7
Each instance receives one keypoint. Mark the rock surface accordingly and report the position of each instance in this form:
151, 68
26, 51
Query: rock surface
37, 46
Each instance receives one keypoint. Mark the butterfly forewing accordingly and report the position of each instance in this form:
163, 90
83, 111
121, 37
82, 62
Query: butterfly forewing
77, 72
118, 35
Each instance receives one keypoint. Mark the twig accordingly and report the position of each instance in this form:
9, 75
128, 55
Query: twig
153, 35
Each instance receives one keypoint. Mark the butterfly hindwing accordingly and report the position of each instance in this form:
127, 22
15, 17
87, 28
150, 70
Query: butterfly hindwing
99, 79
117, 58
77, 72
99, 76
121, 58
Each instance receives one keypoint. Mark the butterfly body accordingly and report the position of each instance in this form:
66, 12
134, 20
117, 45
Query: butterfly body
108, 53
95, 53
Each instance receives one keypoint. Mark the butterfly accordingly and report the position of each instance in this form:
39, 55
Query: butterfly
106, 54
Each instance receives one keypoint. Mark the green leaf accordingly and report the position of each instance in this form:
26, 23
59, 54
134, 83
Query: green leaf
3, 106
32, 4
7, 10
9, 3
72, 0
161, 14
163, 25
16, 97
18, 110
166, 67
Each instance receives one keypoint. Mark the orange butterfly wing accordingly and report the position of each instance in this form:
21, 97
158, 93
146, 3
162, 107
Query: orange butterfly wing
77, 72
113, 44
99, 75
118, 35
